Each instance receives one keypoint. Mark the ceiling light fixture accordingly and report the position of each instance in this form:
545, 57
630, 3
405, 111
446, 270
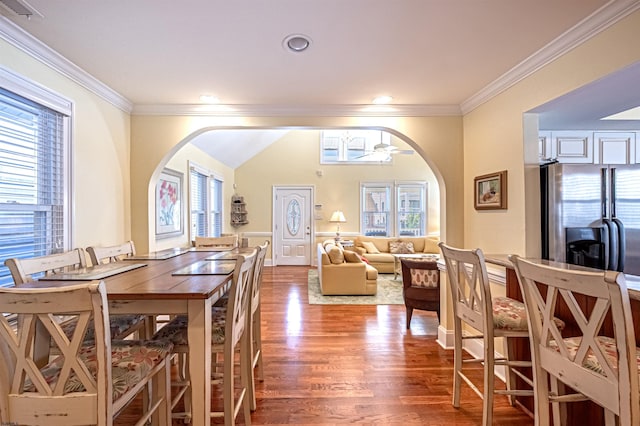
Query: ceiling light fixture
296, 43
382, 100
209, 99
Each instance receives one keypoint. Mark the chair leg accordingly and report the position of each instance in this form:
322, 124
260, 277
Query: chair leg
409, 314
489, 383
457, 362
256, 358
510, 378
246, 378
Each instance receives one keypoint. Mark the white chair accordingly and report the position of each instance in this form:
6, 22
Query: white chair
602, 369
255, 328
229, 335
109, 254
493, 317
228, 242
84, 385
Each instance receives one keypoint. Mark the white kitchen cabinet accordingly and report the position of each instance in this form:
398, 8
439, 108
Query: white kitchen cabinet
572, 146
615, 147
544, 146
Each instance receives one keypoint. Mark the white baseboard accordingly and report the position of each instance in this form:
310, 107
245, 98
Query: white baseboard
445, 337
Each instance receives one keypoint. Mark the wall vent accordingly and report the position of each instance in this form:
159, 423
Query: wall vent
20, 7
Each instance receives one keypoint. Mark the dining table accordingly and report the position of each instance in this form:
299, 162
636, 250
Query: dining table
162, 285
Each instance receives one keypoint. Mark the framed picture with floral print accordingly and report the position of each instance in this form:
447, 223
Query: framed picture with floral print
169, 218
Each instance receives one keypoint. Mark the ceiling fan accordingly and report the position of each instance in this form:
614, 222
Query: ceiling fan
383, 152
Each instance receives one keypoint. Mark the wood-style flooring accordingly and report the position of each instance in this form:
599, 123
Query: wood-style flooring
345, 364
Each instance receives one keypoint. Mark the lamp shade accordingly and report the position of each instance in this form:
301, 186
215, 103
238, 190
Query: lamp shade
338, 217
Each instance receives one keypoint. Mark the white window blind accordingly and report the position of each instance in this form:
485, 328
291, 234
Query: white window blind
216, 206
32, 180
198, 184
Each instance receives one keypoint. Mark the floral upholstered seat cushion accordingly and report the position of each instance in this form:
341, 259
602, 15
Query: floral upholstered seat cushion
131, 361
425, 278
511, 314
117, 323
176, 330
608, 346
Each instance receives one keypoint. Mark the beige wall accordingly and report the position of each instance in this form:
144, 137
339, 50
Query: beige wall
101, 154
295, 159
156, 138
493, 138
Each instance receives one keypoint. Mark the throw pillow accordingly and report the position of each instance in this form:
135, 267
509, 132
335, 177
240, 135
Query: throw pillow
431, 246
371, 248
351, 257
364, 259
400, 247
335, 255
425, 278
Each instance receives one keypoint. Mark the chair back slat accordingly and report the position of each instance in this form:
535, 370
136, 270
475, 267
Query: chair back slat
239, 296
22, 270
604, 370
469, 284
225, 242
256, 278
109, 254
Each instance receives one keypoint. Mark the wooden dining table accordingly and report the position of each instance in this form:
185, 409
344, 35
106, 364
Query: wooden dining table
155, 290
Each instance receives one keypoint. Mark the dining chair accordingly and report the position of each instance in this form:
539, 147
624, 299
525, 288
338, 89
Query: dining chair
85, 384
229, 335
109, 254
420, 286
26, 270
255, 326
122, 325
228, 242
597, 367
492, 317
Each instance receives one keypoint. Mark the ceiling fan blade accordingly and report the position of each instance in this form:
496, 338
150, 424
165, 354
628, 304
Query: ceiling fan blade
403, 151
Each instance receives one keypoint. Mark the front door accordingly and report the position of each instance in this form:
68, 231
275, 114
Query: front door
292, 233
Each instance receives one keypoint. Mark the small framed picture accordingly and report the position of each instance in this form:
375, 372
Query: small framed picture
169, 220
491, 191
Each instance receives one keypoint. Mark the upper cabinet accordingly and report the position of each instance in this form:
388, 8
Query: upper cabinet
593, 147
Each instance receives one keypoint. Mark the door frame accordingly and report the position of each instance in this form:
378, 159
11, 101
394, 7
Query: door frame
312, 224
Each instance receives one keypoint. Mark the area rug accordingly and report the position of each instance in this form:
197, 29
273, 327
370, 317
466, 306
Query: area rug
389, 293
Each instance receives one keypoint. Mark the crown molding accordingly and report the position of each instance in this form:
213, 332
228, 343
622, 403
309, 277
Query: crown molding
298, 110
33, 47
597, 22
592, 25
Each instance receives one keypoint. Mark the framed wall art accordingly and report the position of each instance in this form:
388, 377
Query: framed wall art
169, 217
490, 191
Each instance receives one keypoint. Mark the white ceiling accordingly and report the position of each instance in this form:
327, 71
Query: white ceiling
433, 55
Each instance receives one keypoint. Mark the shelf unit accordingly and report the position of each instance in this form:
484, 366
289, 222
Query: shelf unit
238, 211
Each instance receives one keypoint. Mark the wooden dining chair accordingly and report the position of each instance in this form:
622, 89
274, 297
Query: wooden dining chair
109, 254
492, 317
597, 367
122, 325
255, 324
25, 270
229, 335
85, 384
228, 242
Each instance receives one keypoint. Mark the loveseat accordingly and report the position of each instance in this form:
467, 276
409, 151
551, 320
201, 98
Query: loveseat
342, 272
378, 251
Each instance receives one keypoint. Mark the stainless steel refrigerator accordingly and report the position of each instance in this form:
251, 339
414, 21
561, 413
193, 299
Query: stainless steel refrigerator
591, 215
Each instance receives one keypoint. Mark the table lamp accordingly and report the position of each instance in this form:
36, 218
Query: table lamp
337, 217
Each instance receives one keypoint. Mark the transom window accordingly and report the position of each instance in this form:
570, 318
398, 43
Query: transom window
393, 208
34, 177
352, 146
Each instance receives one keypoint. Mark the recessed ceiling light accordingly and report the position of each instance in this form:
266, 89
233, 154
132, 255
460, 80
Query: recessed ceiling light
381, 100
209, 99
296, 43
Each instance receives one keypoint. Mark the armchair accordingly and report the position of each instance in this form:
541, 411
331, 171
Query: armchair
421, 286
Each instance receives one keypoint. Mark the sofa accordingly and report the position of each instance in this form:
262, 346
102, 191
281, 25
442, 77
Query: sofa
342, 272
378, 251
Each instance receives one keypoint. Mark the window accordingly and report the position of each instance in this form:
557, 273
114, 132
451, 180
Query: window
352, 146
393, 208
206, 203
34, 177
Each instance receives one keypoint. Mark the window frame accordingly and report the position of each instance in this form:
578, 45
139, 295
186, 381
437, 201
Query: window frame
213, 205
394, 189
45, 97
362, 141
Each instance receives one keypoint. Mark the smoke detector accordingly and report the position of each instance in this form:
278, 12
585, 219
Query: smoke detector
20, 8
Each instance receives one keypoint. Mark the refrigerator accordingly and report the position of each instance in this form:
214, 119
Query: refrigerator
590, 215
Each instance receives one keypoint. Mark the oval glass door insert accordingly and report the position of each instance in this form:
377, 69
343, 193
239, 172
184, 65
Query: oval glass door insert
293, 217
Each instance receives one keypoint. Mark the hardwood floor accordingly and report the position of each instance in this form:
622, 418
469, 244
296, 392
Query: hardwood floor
342, 364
